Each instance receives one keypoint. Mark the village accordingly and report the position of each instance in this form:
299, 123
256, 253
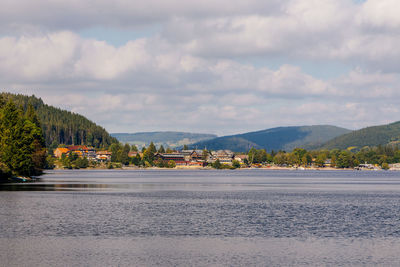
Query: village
182, 158
194, 158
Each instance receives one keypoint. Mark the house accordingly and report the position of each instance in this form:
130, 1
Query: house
186, 153
197, 155
103, 155
328, 163
179, 158
224, 156
241, 157
394, 166
58, 152
193, 155
83, 151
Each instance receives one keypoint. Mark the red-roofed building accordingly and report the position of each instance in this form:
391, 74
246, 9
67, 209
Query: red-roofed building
103, 155
83, 151
58, 152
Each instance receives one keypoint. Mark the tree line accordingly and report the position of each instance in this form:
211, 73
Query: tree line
347, 158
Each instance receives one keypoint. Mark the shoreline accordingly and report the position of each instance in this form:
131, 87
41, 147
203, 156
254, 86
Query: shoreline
239, 169
188, 168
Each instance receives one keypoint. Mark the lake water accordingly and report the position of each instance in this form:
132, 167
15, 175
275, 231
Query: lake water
202, 218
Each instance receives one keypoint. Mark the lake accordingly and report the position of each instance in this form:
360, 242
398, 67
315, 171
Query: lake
202, 218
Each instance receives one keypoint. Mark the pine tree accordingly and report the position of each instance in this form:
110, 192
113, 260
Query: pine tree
161, 149
22, 150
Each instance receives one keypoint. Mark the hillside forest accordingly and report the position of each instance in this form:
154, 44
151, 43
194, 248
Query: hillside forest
61, 126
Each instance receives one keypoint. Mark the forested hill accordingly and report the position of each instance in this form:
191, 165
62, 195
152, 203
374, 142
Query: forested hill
280, 138
64, 127
369, 136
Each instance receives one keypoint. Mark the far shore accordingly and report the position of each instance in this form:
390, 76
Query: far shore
274, 168
246, 168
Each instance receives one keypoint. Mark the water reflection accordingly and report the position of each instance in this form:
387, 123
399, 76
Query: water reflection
142, 180
184, 218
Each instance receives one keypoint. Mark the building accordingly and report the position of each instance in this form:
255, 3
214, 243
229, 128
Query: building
394, 166
103, 155
224, 156
58, 152
179, 158
193, 155
83, 151
241, 157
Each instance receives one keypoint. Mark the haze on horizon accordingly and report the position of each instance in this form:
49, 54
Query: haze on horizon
220, 67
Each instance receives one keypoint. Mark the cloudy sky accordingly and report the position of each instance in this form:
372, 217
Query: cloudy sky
211, 66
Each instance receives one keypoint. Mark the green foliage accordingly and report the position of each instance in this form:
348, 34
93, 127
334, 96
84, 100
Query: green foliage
320, 160
216, 164
385, 166
49, 162
344, 160
297, 156
73, 161
148, 154
22, 150
280, 159
171, 164
120, 153
235, 164
161, 149
257, 156
152, 148
124, 154
137, 160
60, 126
370, 136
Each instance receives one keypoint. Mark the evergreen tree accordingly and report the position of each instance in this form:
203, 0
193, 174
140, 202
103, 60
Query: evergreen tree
161, 149
152, 148
217, 164
22, 150
124, 154
148, 154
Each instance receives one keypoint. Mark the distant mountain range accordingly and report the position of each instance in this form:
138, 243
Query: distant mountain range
280, 138
64, 127
369, 136
167, 139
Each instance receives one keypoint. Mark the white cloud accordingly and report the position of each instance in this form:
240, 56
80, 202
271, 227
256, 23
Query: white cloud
210, 66
102, 61
380, 14
37, 57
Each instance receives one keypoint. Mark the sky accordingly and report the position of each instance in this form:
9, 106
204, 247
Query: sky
210, 66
